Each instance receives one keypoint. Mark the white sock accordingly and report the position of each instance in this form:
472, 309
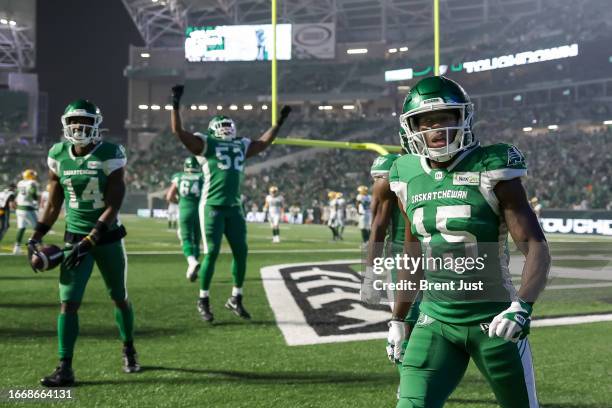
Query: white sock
236, 291
191, 260
203, 293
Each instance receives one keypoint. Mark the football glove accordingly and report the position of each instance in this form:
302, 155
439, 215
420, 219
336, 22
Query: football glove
77, 253
395, 340
33, 249
177, 94
513, 323
285, 111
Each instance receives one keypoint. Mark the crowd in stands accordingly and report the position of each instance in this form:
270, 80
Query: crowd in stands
568, 168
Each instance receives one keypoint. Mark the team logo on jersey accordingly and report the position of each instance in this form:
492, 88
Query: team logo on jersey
439, 175
469, 178
515, 157
320, 303
94, 165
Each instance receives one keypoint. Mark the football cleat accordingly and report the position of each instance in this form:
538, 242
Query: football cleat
234, 304
61, 377
192, 272
204, 310
16, 249
130, 362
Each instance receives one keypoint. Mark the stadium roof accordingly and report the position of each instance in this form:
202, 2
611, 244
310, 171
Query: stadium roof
17, 34
162, 22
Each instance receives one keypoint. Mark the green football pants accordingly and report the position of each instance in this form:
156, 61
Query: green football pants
111, 260
189, 230
216, 221
438, 354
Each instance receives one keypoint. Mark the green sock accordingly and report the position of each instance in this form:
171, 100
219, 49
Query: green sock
67, 332
125, 322
20, 233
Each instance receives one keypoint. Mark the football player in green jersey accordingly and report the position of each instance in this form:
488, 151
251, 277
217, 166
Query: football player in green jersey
386, 239
186, 188
87, 173
222, 154
460, 200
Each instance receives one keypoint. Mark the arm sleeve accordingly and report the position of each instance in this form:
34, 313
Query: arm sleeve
118, 161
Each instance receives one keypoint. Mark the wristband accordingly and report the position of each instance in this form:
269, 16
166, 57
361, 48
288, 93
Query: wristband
42, 228
101, 227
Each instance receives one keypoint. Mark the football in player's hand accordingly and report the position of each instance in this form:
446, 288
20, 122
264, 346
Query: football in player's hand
48, 257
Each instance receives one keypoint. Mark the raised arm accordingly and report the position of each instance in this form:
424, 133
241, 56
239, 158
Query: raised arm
261, 144
193, 143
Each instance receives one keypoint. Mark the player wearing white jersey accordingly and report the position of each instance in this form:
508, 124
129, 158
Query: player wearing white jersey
363, 201
27, 203
275, 207
340, 214
7, 203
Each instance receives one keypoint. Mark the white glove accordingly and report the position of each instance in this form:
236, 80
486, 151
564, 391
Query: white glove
395, 339
513, 323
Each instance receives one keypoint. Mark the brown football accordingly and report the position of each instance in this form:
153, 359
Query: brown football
48, 258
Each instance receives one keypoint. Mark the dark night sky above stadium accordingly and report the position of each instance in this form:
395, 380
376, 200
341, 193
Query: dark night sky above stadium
82, 49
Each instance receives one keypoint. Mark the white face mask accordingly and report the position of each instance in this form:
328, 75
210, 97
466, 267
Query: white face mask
416, 140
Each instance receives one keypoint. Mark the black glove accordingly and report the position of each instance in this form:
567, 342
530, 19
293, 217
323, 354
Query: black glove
33, 249
285, 111
177, 94
78, 252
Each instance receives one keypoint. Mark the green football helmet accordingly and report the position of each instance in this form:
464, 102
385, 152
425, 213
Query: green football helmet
431, 94
222, 127
82, 134
191, 165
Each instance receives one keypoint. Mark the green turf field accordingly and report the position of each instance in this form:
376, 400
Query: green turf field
247, 364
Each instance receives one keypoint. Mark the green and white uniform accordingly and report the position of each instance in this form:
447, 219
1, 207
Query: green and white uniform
189, 188
394, 241
27, 203
84, 181
455, 213
364, 202
220, 208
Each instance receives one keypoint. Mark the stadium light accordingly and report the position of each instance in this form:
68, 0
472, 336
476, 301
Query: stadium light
553, 127
233, 107
168, 107
202, 107
392, 50
145, 55
394, 114
219, 107
527, 129
193, 107
264, 107
403, 49
155, 107
325, 107
3, 21
154, 1
348, 107
357, 51
12, 23
247, 107
607, 122
143, 107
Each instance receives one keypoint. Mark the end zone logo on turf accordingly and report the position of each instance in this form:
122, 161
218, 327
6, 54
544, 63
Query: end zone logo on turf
320, 303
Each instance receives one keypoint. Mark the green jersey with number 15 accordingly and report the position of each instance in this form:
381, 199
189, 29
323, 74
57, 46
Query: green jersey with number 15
456, 217
189, 188
222, 164
84, 180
